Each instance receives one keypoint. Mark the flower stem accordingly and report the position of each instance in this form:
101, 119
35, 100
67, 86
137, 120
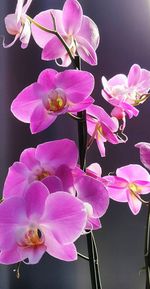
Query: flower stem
91, 244
147, 250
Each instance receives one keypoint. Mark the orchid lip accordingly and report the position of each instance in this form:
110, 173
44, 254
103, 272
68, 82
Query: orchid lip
33, 237
56, 101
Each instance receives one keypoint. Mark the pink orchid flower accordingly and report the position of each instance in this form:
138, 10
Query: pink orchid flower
33, 224
18, 25
101, 127
128, 185
48, 160
125, 92
79, 32
144, 153
53, 94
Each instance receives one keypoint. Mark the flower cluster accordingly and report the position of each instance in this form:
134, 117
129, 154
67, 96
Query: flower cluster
48, 200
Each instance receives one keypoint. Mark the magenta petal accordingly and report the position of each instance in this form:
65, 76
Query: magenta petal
93, 192
134, 75
57, 153
32, 253
66, 221
86, 51
117, 188
59, 251
100, 143
53, 183
65, 174
26, 101
133, 172
94, 223
28, 158
75, 107
12, 212
144, 153
54, 49
41, 119
10, 256
134, 203
16, 180
44, 18
74, 81
72, 16
35, 199
47, 79
89, 31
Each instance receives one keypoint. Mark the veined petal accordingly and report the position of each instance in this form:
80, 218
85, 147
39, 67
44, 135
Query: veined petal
89, 31
16, 180
72, 16
67, 221
26, 6
44, 18
26, 34
134, 203
27, 157
53, 183
93, 192
47, 79
10, 256
35, 198
19, 8
74, 81
59, 251
75, 107
41, 119
53, 49
27, 100
86, 51
13, 27
100, 143
134, 75
144, 153
32, 253
57, 153
133, 172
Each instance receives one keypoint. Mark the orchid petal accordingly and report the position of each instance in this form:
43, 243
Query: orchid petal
35, 198
144, 153
93, 192
26, 102
73, 81
68, 221
44, 18
54, 49
72, 16
86, 51
41, 119
57, 250
27, 157
16, 180
89, 31
58, 153
133, 172
134, 75
47, 79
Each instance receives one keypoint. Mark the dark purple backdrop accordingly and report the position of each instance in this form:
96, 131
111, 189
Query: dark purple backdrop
125, 39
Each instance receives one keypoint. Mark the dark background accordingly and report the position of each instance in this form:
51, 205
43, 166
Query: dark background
125, 40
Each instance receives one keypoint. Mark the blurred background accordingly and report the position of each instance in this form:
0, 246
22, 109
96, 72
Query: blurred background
125, 40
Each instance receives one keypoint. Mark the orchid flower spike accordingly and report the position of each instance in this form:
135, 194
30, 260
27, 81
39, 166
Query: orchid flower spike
18, 25
79, 32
